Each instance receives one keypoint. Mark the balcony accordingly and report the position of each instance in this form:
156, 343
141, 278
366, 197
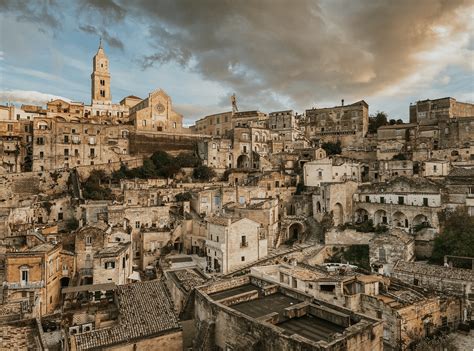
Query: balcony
24, 285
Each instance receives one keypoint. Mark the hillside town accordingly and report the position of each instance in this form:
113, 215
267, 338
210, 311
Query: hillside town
330, 228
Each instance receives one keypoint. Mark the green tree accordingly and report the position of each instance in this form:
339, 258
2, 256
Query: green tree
332, 148
183, 196
399, 157
204, 173
93, 187
377, 121
456, 237
187, 159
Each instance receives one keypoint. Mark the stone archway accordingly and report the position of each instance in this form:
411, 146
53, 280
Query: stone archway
399, 219
361, 215
295, 231
338, 214
420, 220
380, 217
243, 161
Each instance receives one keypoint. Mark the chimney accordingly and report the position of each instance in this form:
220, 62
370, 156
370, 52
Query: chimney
342, 102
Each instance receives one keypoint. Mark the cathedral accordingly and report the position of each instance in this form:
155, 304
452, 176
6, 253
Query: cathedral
153, 114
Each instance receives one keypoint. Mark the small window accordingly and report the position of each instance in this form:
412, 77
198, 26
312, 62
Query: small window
88, 240
425, 201
382, 200
109, 265
242, 258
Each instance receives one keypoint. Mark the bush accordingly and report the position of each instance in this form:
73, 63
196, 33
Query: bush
183, 196
204, 173
72, 224
399, 157
92, 188
332, 148
456, 237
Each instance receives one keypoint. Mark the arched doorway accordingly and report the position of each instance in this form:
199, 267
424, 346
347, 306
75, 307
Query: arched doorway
295, 231
361, 215
420, 220
318, 207
64, 282
380, 217
243, 161
400, 220
338, 214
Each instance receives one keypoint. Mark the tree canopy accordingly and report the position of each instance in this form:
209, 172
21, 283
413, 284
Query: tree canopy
456, 237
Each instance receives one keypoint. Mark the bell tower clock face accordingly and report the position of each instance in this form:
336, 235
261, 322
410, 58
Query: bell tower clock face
159, 108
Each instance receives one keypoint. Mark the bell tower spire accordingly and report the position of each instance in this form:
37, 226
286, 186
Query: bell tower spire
100, 78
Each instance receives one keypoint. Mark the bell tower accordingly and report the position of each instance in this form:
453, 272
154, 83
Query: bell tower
100, 77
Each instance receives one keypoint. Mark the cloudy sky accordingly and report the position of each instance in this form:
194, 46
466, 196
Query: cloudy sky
274, 54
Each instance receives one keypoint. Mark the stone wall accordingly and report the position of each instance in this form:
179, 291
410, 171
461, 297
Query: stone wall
171, 143
347, 237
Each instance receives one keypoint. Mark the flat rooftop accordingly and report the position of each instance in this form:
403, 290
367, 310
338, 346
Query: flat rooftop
311, 327
293, 313
232, 292
265, 305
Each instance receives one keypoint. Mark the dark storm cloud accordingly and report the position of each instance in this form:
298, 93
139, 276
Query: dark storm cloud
109, 39
114, 12
304, 50
43, 12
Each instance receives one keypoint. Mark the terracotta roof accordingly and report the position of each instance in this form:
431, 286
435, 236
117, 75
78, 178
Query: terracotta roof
145, 310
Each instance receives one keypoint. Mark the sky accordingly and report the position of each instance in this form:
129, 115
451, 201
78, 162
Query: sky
273, 54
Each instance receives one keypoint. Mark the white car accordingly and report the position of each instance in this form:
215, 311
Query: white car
332, 266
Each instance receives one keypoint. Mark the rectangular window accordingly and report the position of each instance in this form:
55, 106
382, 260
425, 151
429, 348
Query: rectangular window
137, 224
425, 201
92, 152
109, 265
401, 200
10, 127
88, 240
66, 139
41, 154
66, 152
242, 258
367, 199
24, 276
382, 200
244, 242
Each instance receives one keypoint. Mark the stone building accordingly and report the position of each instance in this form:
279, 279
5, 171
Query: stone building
386, 249
233, 242
402, 202
258, 314
457, 281
101, 108
146, 321
283, 125
16, 141
112, 264
410, 313
156, 114
336, 199
216, 153
69, 111
395, 139
332, 170
346, 123
37, 275
219, 124
61, 144
444, 108
435, 168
